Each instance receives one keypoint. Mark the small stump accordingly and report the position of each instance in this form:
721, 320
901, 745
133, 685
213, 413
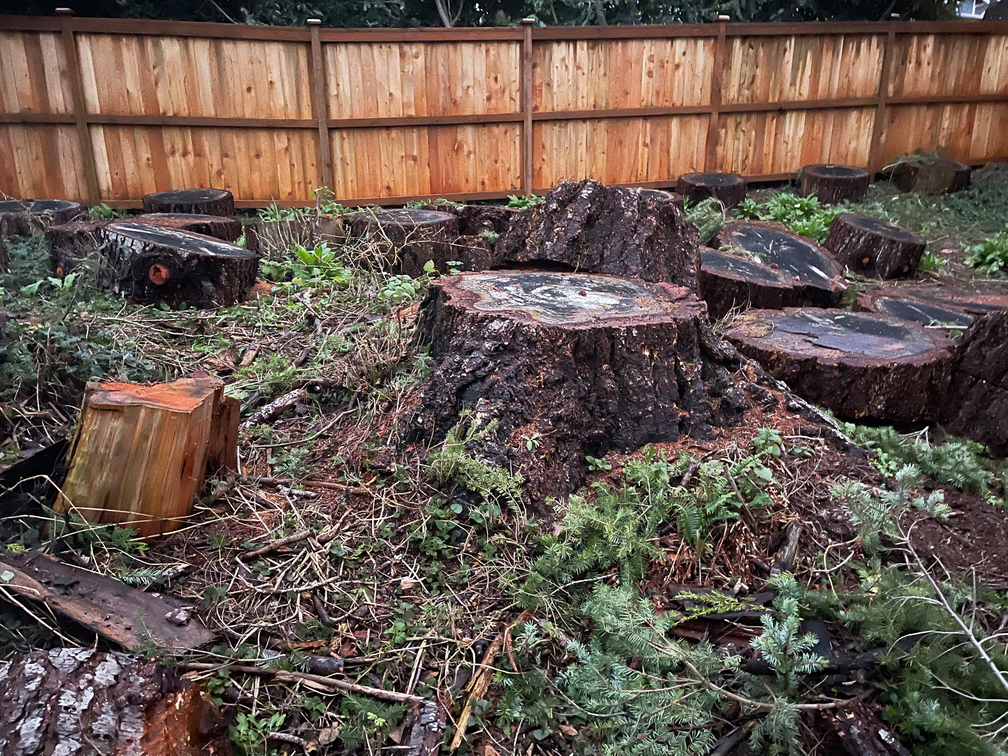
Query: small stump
191, 201
834, 183
728, 188
819, 277
25, 216
939, 177
408, 238
874, 247
219, 227
675, 197
859, 365
731, 282
72, 243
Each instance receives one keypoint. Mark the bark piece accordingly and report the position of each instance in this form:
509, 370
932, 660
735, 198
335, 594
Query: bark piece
859, 365
939, 177
219, 227
728, 188
195, 201
72, 243
587, 226
874, 247
834, 183
25, 216
820, 277
408, 238
141, 452
730, 282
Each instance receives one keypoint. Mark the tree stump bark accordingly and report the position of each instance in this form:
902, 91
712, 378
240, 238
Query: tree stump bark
730, 282
874, 247
940, 177
408, 238
72, 243
834, 183
556, 366
141, 453
728, 188
819, 277
25, 216
593, 228
859, 365
219, 227
177, 267
191, 201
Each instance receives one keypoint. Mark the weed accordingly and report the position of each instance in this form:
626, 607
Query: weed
930, 262
104, 212
523, 202
276, 213
249, 733
709, 217
990, 257
803, 215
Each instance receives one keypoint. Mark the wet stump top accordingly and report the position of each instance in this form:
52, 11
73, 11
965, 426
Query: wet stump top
728, 188
219, 227
834, 183
730, 282
21, 216
197, 201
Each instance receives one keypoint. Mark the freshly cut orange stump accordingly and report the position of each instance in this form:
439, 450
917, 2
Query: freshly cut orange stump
141, 453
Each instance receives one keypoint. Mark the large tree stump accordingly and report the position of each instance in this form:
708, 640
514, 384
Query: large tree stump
177, 267
941, 176
593, 228
568, 365
819, 277
141, 453
728, 188
874, 247
408, 238
834, 183
219, 227
730, 282
192, 201
25, 216
859, 365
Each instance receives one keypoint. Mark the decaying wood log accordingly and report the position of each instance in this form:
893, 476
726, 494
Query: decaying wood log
26, 216
217, 226
408, 238
728, 188
589, 227
82, 702
731, 282
859, 365
874, 247
820, 277
197, 201
939, 177
834, 183
141, 453
72, 243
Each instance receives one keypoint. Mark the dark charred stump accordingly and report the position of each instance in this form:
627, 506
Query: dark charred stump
589, 227
874, 247
556, 366
940, 177
26, 216
408, 238
819, 277
219, 227
731, 282
728, 188
191, 201
859, 365
72, 243
834, 183
175, 267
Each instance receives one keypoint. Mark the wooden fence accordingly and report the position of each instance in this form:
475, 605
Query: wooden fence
108, 110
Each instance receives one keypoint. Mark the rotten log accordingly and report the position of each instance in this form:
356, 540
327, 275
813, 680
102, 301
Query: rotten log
193, 201
941, 176
27, 216
408, 238
70, 244
141, 453
874, 247
727, 188
219, 227
730, 282
834, 183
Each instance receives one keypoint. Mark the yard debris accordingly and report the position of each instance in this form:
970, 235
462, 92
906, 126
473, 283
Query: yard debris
276, 408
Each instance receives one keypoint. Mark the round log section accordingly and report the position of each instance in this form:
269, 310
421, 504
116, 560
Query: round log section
874, 247
834, 183
407, 238
26, 216
730, 282
192, 202
219, 227
911, 310
552, 366
819, 276
941, 176
859, 365
72, 243
728, 188
177, 267
589, 227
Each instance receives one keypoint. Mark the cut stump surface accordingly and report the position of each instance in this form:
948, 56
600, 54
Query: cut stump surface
24, 216
729, 282
834, 183
728, 188
940, 177
191, 201
928, 304
410, 237
874, 247
219, 227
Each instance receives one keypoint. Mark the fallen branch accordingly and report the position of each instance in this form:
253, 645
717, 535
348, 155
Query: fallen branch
477, 687
325, 484
275, 408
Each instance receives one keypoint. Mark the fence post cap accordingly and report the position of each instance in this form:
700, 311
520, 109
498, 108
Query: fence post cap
313, 21
527, 21
64, 11
723, 18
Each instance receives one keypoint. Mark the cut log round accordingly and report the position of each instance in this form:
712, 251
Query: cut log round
834, 183
892, 303
193, 201
939, 177
568, 365
874, 247
727, 188
177, 267
820, 278
72, 243
587, 226
859, 365
219, 227
25, 216
408, 238
731, 282
977, 402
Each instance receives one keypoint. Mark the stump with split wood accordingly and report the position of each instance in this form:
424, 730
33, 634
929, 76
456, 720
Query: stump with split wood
728, 188
587, 226
819, 279
72, 243
409, 238
941, 176
141, 453
191, 201
25, 216
874, 247
730, 282
217, 226
178, 267
834, 183
550, 367
859, 365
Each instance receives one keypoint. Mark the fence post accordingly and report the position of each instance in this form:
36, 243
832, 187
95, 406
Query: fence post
80, 108
710, 155
320, 103
526, 104
879, 125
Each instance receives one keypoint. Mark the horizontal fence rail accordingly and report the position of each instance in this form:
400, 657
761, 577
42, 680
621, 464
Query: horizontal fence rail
106, 110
